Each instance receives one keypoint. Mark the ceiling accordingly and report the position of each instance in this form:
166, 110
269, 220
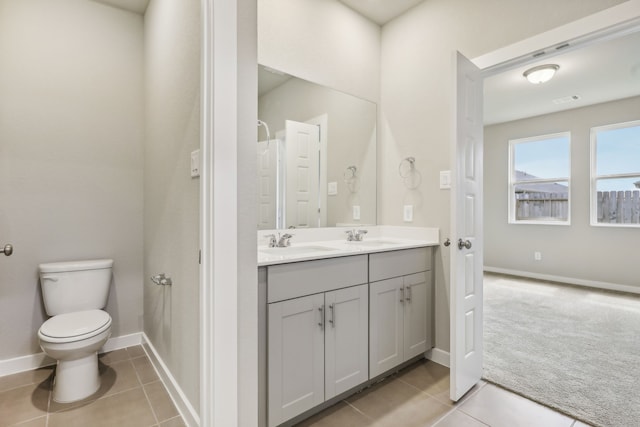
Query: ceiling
135, 6
601, 72
381, 11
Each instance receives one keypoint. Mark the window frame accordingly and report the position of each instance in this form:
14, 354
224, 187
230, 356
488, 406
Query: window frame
512, 182
594, 177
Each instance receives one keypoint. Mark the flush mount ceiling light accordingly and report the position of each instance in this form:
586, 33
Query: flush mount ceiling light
541, 73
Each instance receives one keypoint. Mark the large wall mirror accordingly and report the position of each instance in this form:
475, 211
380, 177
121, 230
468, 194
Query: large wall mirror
316, 155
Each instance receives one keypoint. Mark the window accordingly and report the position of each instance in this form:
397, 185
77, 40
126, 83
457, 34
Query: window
615, 175
539, 170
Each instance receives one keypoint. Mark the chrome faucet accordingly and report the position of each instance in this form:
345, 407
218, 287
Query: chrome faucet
282, 241
355, 235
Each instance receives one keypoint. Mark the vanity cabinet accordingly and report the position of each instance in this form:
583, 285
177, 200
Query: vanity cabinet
400, 300
317, 343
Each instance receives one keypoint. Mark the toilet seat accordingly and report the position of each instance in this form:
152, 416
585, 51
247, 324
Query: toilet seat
76, 326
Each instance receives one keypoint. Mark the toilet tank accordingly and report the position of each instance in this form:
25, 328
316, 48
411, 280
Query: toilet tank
75, 286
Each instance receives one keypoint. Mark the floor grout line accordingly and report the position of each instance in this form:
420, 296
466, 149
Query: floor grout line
358, 410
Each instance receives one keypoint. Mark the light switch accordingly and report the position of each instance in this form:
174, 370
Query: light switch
407, 215
195, 164
332, 188
445, 180
356, 212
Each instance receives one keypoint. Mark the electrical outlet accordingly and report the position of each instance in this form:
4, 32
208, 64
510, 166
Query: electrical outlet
195, 164
408, 213
537, 256
356, 212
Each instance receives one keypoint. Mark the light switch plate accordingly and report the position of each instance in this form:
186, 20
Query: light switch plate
332, 188
356, 212
445, 180
195, 164
407, 215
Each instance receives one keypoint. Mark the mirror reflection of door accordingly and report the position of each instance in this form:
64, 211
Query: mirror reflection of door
302, 175
267, 184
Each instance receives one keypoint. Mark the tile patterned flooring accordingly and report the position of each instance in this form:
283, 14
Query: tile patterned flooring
131, 394
419, 396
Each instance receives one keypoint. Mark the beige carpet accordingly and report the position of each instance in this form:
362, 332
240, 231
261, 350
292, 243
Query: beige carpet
573, 349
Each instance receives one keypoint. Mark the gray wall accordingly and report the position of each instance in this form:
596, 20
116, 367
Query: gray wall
351, 137
324, 42
171, 208
416, 93
580, 251
70, 155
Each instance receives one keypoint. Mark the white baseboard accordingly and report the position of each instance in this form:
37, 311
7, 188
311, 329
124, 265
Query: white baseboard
568, 280
438, 356
39, 360
123, 341
187, 411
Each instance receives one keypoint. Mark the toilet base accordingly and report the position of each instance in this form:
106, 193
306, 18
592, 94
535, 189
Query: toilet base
76, 379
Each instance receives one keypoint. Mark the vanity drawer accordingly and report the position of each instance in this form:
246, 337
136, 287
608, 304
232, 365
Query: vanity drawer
385, 265
286, 281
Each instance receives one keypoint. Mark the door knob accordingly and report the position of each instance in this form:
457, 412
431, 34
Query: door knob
447, 242
7, 250
464, 244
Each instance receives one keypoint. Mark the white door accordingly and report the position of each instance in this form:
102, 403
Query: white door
466, 232
415, 315
296, 357
346, 339
267, 184
386, 325
302, 148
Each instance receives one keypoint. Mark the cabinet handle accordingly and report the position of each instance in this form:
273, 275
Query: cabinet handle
321, 323
402, 294
408, 289
332, 320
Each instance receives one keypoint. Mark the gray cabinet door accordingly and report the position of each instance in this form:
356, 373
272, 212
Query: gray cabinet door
386, 325
296, 357
416, 331
346, 339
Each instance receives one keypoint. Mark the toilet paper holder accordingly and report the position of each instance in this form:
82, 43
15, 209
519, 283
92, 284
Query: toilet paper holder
161, 279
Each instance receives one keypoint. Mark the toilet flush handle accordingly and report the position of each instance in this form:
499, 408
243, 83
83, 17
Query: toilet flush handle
7, 249
52, 278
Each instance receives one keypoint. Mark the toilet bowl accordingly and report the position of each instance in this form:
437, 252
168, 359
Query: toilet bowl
74, 340
74, 294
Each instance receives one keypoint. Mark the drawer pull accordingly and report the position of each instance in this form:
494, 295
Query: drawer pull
321, 323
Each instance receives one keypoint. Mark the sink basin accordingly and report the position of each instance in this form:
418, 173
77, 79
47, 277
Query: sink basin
377, 242
295, 250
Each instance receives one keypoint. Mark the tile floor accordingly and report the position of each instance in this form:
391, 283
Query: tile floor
419, 396
131, 394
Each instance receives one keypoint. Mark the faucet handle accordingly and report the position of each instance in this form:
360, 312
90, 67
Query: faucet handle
350, 235
272, 240
360, 234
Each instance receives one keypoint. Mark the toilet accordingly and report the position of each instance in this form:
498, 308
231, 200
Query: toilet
74, 294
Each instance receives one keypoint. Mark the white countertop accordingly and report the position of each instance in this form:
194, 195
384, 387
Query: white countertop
311, 247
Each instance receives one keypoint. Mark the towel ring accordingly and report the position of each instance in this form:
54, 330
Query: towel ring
350, 173
410, 166
411, 177
351, 179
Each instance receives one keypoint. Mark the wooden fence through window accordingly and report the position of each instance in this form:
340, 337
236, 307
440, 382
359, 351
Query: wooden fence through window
619, 207
614, 207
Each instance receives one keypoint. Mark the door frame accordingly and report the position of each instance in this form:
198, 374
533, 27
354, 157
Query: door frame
228, 239
610, 23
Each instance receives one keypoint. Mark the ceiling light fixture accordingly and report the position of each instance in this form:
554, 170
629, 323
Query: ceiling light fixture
541, 73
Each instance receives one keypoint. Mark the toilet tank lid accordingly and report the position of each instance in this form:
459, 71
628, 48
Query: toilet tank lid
59, 267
